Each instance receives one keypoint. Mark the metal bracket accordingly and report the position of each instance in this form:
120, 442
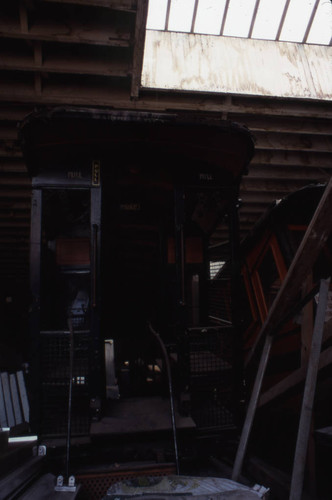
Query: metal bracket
60, 486
39, 451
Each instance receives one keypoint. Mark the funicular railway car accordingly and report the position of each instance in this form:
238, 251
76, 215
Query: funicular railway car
123, 209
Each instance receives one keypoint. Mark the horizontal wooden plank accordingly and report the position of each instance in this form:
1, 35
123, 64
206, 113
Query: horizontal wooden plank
122, 5
71, 65
292, 142
283, 172
15, 180
265, 197
15, 223
291, 158
293, 380
249, 109
293, 124
49, 31
271, 184
12, 165
15, 193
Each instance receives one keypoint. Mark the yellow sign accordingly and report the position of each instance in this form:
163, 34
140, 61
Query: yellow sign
96, 173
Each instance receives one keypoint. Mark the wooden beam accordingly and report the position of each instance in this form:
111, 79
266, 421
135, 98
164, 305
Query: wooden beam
263, 198
12, 167
291, 125
307, 321
14, 112
308, 396
291, 381
19, 180
140, 30
15, 193
48, 32
69, 65
282, 172
121, 5
24, 23
290, 158
9, 149
242, 448
272, 184
292, 142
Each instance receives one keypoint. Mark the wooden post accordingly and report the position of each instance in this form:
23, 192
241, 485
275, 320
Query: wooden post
251, 409
308, 396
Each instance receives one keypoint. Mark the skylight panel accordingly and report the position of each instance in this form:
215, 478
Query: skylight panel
156, 15
296, 22
321, 29
268, 19
301, 21
209, 16
180, 16
239, 17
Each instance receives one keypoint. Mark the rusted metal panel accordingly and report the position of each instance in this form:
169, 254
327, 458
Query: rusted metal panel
206, 63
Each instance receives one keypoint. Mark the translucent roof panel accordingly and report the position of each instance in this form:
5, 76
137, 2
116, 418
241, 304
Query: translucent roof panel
296, 21
209, 17
157, 15
238, 19
321, 29
268, 18
301, 21
180, 15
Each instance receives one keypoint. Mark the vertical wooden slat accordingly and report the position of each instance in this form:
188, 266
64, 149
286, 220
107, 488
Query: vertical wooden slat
23, 395
15, 399
24, 17
307, 323
242, 448
7, 399
3, 416
140, 30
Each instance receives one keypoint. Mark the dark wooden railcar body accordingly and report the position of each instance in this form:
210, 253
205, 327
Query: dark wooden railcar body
124, 205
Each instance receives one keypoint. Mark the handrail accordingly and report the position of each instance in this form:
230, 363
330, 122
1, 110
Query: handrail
170, 387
